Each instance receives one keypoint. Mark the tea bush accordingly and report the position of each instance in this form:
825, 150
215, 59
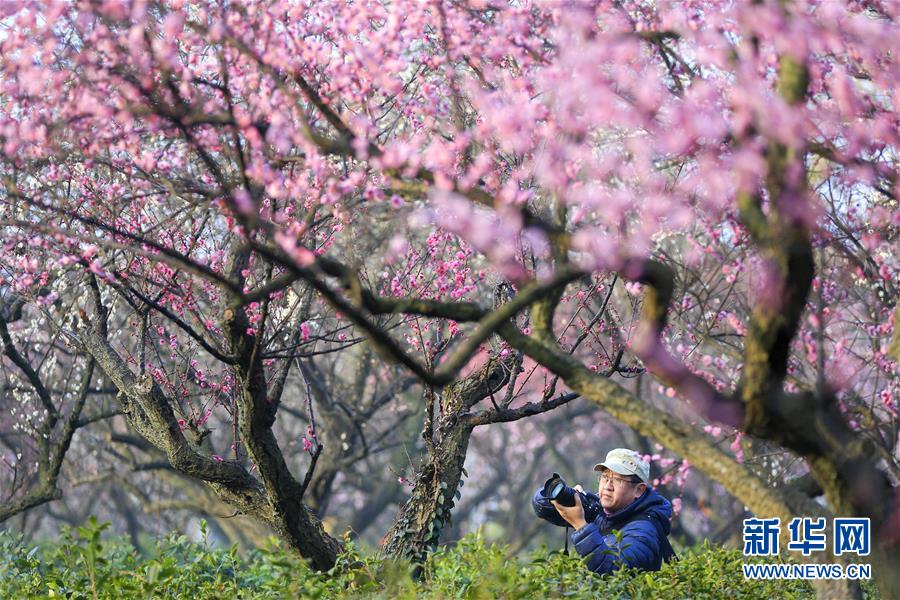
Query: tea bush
82, 565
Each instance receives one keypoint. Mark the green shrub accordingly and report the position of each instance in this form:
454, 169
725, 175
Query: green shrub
82, 565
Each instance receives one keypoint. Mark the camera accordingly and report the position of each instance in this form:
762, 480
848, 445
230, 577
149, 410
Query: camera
556, 489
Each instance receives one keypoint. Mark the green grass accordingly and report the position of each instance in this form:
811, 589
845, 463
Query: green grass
82, 564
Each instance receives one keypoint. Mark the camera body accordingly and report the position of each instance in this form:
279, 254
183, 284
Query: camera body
556, 488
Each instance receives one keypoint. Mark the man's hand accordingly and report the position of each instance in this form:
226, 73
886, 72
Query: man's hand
573, 515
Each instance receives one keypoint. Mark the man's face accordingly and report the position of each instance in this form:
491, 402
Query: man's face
617, 491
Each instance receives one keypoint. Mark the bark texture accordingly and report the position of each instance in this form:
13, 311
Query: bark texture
418, 526
275, 497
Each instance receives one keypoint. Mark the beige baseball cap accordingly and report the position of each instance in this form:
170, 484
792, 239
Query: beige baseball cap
626, 462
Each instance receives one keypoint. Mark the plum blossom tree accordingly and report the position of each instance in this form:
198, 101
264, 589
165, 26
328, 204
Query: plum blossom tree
45, 416
198, 166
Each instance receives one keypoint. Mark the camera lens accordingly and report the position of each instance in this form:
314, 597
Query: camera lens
556, 490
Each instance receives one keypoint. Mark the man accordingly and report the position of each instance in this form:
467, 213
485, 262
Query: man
630, 506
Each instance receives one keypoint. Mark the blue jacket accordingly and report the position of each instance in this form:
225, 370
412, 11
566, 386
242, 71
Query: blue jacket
644, 526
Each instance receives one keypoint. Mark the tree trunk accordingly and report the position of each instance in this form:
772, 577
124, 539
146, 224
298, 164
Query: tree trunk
418, 526
275, 496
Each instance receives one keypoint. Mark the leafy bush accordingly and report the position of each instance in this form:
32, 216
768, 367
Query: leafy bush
81, 565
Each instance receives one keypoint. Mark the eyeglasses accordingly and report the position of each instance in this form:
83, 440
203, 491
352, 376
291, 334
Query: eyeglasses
616, 481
